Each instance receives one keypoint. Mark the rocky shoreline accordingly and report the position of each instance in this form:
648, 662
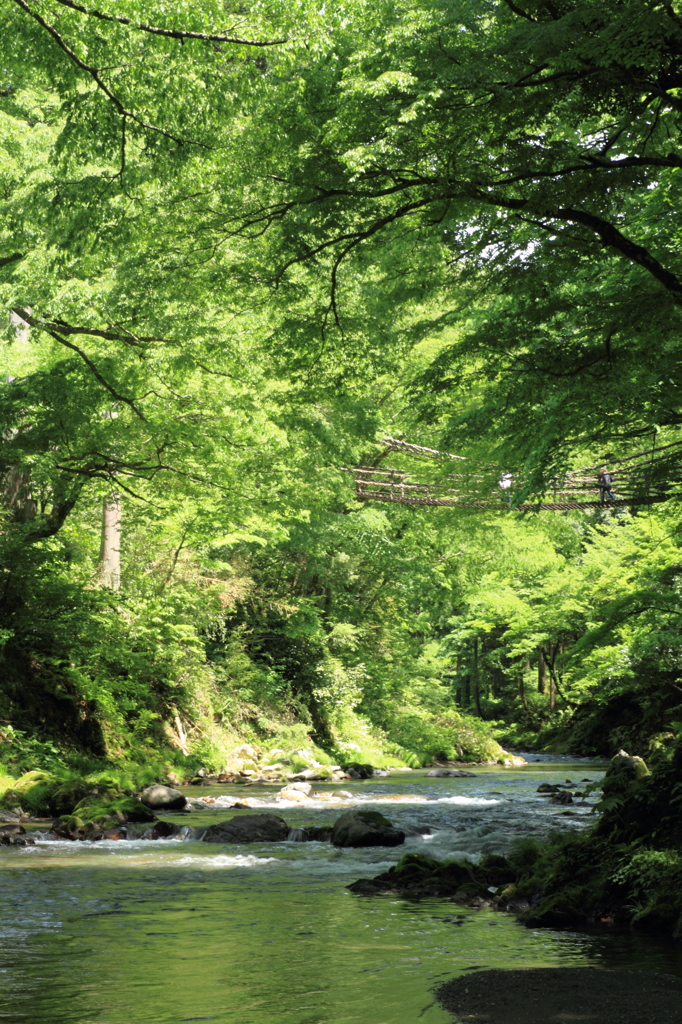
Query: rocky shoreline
492, 883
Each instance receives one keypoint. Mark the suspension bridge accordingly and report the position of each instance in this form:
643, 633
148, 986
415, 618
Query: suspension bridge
644, 478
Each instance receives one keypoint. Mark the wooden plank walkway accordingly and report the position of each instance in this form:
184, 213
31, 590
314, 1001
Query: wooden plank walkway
644, 478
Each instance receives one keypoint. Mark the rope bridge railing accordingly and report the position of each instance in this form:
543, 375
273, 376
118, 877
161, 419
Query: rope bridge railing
644, 478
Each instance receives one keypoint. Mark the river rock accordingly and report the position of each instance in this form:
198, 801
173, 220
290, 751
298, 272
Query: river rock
249, 828
163, 798
296, 791
311, 834
310, 775
450, 773
356, 770
562, 797
16, 814
10, 839
416, 875
73, 828
164, 830
360, 827
15, 829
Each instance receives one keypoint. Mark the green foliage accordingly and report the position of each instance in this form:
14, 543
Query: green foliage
20, 752
446, 267
455, 738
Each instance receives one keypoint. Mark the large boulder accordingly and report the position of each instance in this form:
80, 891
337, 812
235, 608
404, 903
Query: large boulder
163, 798
360, 827
450, 773
248, 828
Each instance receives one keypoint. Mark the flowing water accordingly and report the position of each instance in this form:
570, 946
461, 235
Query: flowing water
168, 931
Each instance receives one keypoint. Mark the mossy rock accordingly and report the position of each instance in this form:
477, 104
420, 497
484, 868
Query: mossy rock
414, 865
469, 890
70, 821
570, 906
42, 793
33, 790
373, 818
495, 870
30, 779
416, 875
65, 795
123, 808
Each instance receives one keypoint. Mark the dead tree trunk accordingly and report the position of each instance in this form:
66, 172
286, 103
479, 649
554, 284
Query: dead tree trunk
110, 549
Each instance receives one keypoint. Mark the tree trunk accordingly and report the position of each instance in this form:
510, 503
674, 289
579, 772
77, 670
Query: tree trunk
16, 492
522, 685
110, 549
542, 672
556, 649
477, 687
21, 328
16, 485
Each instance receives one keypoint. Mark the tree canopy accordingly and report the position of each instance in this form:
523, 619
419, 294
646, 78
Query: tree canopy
242, 244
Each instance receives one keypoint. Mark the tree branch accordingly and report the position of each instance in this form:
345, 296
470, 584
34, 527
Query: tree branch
172, 33
610, 234
94, 74
517, 10
4, 260
53, 330
92, 332
355, 237
48, 525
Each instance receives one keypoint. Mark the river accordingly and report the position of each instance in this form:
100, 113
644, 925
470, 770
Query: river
168, 932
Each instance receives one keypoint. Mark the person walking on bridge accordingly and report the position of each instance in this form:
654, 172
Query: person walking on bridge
605, 485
